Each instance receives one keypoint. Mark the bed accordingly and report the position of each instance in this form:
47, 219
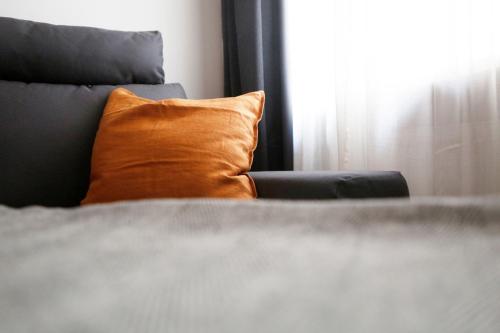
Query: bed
420, 265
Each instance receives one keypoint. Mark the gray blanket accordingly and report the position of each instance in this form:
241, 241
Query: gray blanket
427, 265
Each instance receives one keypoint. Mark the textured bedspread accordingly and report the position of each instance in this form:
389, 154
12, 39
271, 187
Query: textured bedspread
428, 265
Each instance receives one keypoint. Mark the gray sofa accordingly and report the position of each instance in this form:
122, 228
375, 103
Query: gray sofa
54, 82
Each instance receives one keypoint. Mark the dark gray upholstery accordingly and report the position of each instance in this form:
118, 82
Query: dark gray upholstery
40, 52
329, 185
47, 130
46, 137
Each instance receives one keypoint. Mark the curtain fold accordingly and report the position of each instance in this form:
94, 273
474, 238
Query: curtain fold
254, 60
408, 85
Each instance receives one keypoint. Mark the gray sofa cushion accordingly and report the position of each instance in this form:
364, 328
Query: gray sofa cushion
46, 137
40, 52
329, 184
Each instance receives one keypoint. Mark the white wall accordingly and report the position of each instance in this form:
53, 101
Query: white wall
191, 31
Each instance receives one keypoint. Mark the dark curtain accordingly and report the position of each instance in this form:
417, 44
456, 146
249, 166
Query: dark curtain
253, 60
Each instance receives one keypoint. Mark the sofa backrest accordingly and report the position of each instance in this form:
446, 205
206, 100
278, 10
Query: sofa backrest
41, 52
47, 129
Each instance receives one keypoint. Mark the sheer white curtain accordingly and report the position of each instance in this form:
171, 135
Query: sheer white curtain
407, 85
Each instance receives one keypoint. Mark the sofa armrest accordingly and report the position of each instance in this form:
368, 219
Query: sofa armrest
329, 184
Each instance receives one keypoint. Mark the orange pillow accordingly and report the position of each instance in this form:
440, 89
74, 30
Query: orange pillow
174, 148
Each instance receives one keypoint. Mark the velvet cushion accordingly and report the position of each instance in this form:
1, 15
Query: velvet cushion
174, 148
